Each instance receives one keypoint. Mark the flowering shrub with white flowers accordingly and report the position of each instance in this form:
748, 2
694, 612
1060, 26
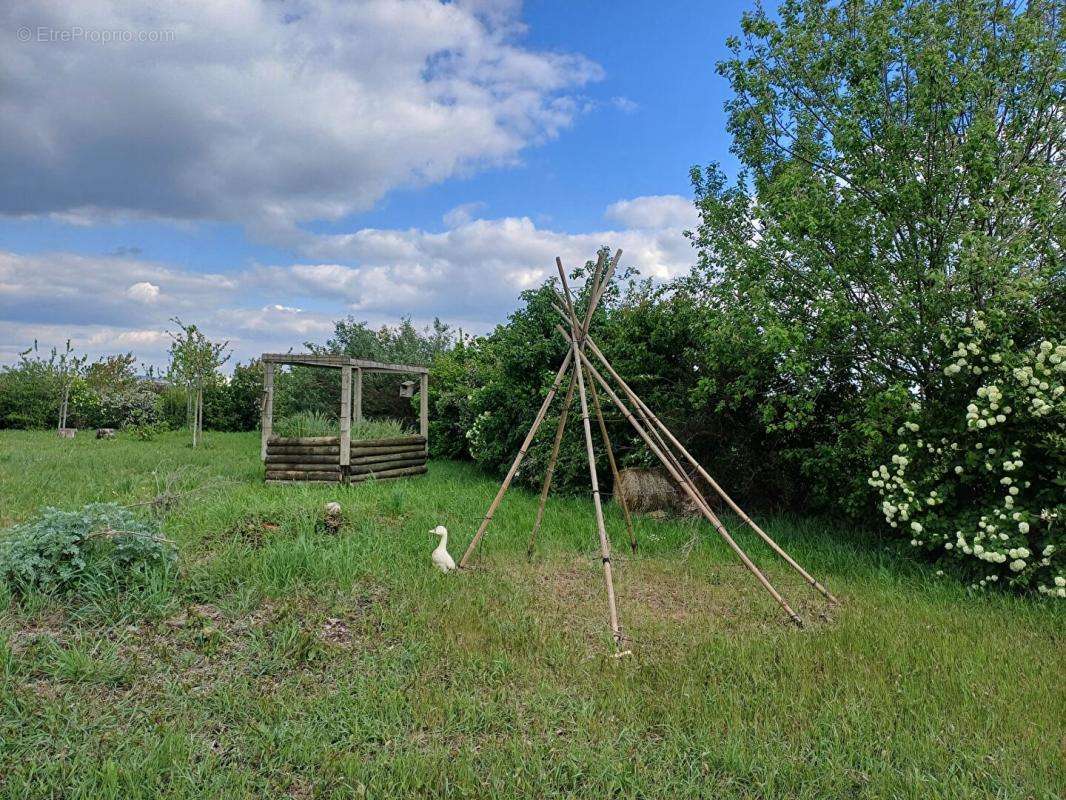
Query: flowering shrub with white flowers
979, 483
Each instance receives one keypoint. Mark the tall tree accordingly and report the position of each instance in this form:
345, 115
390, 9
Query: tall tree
903, 169
194, 359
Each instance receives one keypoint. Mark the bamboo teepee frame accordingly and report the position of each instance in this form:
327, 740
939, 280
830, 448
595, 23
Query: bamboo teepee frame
585, 377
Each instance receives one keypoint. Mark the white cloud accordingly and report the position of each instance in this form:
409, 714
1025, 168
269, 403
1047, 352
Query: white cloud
470, 275
477, 268
266, 113
462, 214
654, 211
144, 291
142, 340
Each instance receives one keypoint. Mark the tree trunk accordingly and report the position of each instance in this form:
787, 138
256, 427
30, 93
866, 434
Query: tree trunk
63, 403
190, 419
200, 415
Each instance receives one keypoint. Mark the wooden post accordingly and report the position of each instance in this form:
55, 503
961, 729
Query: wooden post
686, 486
423, 407
517, 459
267, 422
358, 395
346, 419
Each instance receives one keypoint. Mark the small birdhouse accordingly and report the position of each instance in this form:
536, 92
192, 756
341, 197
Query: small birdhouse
407, 388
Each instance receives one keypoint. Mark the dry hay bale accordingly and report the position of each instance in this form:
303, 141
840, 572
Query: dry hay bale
646, 491
67, 433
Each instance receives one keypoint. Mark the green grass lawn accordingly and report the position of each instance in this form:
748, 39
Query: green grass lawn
283, 660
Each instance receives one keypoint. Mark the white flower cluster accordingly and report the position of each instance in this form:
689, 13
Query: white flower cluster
989, 412
1057, 590
476, 434
1042, 378
990, 476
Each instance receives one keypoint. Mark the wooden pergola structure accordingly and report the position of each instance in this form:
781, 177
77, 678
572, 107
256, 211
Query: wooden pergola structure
682, 467
334, 458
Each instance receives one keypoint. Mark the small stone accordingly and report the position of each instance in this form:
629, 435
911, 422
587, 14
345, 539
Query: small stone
334, 517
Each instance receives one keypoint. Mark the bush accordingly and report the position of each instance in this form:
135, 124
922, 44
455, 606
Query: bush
174, 407
146, 432
136, 405
978, 478
102, 545
29, 396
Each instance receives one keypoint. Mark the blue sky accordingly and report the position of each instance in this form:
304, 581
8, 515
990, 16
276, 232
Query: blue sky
265, 172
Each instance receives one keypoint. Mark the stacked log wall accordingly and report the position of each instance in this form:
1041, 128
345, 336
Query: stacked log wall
317, 458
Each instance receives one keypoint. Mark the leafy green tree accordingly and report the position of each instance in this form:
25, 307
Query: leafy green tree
233, 403
317, 390
903, 170
28, 392
112, 374
67, 368
36, 382
194, 361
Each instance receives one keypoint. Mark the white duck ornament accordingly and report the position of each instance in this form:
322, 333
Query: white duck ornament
442, 560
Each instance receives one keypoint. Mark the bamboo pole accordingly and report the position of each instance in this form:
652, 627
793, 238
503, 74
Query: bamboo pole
517, 460
560, 430
706, 476
685, 485
619, 498
600, 281
605, 546
576, 344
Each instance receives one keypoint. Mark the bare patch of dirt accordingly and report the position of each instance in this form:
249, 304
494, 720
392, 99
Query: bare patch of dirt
660, 600
49, 624
335, 631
